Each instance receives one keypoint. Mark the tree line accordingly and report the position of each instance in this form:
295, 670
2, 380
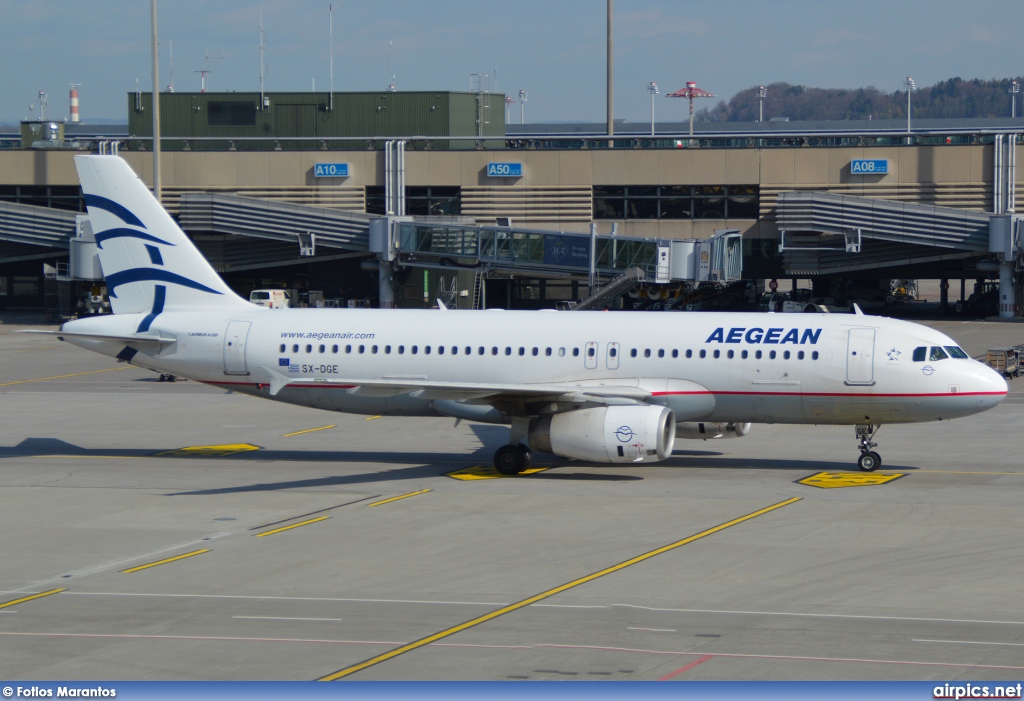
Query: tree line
949, 99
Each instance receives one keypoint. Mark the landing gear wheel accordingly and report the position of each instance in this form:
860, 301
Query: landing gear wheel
166, 377
869, 462
511, 459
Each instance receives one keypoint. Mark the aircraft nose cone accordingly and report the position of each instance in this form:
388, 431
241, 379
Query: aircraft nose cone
992, 388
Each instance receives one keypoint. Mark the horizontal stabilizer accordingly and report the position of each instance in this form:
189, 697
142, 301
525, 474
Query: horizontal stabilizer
144, 338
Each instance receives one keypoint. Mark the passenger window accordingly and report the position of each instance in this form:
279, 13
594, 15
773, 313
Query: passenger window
920, 353
373, 349
785, 355
743, 355
937, 354
283, 346
536, 351
522, 351
575, 352
387, 350
295, 348
547, 351
322, 348
480, 350
590, 352
508, 350
401, 350
800, 355
455, 350
771, 355
334, 348
814, 355
632, 353
730, 354
757, 354
689, 353
440, 350
718, 353
661, 352
703, 353
612, 352
561, 352
957, 352
675, 352
414, 350
309, 348
647, 352
348, 349
426, 349
494, 350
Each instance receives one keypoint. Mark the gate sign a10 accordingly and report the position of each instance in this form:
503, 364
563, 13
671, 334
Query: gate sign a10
504, 170
864, 166
330, 170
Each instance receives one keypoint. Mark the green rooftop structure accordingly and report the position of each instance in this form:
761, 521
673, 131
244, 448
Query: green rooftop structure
319, 120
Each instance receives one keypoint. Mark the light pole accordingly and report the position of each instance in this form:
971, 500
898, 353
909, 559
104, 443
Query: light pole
762, 93
1014, 89
910, 86
508, 103
652, 90
522, 106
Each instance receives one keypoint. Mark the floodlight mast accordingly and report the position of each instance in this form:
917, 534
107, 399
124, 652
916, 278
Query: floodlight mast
1014, 90
652, 90
910, 87
762, 93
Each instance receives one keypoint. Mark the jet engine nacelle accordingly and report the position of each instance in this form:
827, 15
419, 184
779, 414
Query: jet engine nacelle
607, 434
705, 430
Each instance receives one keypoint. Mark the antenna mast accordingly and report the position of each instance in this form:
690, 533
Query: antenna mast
330, 30
262, 72
391, 67
170, 51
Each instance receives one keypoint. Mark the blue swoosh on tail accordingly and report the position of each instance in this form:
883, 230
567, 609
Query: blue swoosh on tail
156, 274
127, 233
118, 210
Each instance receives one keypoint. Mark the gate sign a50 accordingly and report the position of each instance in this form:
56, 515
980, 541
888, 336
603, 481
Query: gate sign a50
504, 170
865, 166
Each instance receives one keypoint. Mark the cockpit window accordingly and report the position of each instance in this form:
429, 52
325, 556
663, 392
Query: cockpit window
937, 354
956, 352
920, 353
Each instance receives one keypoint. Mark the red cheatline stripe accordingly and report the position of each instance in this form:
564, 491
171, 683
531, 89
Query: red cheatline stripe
683, 669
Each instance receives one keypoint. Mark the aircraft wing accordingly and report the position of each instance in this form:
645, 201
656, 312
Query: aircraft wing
144, 338
486, 393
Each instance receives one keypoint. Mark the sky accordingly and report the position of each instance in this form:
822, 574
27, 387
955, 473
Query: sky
553, 49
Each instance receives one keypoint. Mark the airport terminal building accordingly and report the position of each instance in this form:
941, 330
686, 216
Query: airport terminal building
284, 189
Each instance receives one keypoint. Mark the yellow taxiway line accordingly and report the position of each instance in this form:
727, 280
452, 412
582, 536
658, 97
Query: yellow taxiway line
550, 592
164, 562
308, 430
23, 599
294, 525
59, 377
401, 496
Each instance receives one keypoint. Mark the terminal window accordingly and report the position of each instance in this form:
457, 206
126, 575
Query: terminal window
231, 114
425, 201
68, 197
676, 202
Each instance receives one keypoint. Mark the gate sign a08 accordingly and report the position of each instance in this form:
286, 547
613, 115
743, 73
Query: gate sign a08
863, 166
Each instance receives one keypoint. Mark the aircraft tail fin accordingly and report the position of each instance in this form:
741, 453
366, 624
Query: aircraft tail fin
148, 262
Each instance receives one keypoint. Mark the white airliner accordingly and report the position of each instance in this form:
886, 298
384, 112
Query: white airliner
600, 387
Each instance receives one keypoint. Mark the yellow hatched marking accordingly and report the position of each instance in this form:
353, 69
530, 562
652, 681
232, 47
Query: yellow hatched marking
401, 496
371, 418
550, 592
487, 472
294, 525
59, 377
23, 599
835, 480
164, 562
308, 430
212, 451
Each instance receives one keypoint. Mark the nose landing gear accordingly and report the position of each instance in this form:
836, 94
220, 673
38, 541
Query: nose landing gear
869, 460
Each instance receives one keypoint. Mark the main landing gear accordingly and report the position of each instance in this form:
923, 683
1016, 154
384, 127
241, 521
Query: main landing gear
869, 460
515, 457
